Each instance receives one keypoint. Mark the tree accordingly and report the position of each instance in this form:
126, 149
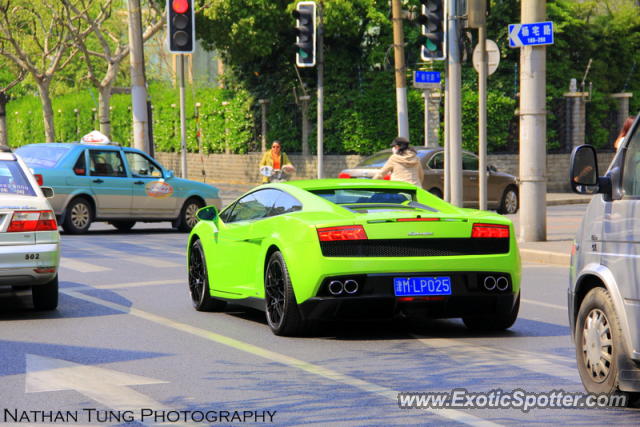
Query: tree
33, 35
103, 44
8, 80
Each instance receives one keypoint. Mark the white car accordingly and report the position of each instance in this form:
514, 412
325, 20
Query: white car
29, 238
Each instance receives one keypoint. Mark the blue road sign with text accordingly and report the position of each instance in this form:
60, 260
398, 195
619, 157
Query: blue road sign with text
534, 34
427, 77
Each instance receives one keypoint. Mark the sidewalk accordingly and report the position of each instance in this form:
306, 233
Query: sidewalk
564, 214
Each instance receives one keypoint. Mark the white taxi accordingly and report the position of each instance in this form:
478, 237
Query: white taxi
29, 238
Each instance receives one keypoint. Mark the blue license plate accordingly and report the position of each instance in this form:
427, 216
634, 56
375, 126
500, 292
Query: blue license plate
419, 286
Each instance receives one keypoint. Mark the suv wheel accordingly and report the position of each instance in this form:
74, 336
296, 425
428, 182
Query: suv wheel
598, 342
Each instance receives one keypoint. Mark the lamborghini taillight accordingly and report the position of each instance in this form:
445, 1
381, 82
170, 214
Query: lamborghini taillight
490, 231
349, 232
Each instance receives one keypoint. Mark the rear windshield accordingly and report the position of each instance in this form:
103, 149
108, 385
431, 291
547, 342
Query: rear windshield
345, 196
13, 180
42, 156
379, 159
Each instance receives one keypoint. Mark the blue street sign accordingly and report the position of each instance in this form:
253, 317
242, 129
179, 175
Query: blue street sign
426, 77
534, 34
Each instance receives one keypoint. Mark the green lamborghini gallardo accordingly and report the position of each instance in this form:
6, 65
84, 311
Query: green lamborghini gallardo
335, 249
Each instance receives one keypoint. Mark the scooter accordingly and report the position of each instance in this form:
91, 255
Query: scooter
274, 175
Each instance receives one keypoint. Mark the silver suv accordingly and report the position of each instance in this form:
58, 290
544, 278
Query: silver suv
604, 289
29, 238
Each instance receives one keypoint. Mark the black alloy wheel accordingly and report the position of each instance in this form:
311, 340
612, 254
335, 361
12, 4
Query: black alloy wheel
199, 281
281, 307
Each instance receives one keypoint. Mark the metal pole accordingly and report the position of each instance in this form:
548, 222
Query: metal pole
482, 118
533, 130
447, 144
425, 95
455, 106
263, 137
401, 79
320, 130
183, 124
138, 84
304, 105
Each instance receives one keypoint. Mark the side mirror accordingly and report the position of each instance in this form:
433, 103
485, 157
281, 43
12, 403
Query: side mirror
48, 192
169, 175
584, 170
492, 168
208, 213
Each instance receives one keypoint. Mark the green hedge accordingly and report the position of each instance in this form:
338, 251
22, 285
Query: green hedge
74, 117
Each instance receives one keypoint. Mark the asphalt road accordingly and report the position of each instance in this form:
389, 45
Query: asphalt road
125, 337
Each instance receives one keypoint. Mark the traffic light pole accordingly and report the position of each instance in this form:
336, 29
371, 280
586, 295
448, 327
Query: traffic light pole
320, 54
454, 80
401, 78
183, 124
533, 131
482, 118
138, 83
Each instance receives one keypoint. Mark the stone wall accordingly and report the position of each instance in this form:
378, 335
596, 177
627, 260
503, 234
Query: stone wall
243, 168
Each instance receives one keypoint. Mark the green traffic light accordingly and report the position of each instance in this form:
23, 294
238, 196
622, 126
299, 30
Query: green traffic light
303, 54
431, 46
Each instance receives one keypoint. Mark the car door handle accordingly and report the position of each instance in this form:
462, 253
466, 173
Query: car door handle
139, 182
98, 181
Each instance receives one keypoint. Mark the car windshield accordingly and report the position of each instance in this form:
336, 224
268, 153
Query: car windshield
344, 196
42, 156
13, 180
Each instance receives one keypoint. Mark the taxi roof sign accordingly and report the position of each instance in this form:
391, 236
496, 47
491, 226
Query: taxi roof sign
95, 137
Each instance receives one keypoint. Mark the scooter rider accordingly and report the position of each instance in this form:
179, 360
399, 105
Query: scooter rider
276, 159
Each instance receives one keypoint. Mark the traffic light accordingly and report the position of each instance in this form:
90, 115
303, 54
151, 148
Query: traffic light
305, 15
434, 27
181, 26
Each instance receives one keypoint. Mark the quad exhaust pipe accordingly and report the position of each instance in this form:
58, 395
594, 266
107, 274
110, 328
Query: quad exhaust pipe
492, 283
349, 286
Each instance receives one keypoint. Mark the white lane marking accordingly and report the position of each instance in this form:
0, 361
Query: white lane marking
149, 261
544, 304
105, 386
127, 285
81, 266
338, 377
473, 354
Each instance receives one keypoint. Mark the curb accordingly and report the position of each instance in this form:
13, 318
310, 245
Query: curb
568, 202
544, 257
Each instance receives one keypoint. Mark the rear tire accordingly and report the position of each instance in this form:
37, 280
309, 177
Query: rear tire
187, 219
45, 297
78, 216
493, 323
283, 316
510, 201
123, 225
199, 281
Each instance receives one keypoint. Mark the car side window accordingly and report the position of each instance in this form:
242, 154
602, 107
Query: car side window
80, 168
285, 203
469, 162
142, 166
106, 163
631, 173
437, 161
253, 206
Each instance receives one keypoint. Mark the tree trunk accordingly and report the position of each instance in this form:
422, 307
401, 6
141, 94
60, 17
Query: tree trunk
47, 110
3, 119
104, 113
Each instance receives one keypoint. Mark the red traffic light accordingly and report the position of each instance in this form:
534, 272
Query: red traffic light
180, 6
